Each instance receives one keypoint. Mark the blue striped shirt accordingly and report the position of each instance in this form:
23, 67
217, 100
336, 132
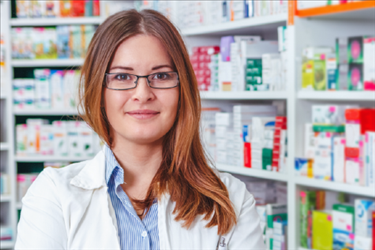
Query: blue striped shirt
134, 233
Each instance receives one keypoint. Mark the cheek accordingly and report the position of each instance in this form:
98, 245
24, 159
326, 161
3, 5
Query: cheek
114, 101
170, 103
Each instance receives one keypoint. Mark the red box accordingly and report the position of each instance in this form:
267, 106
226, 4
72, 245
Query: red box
247, 154
78, 8
96, 8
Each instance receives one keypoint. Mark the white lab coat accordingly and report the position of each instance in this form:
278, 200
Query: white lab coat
70, 208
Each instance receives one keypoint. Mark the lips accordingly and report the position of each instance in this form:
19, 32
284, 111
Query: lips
143, 114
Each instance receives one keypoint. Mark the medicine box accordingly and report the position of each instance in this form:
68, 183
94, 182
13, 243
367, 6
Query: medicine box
363, 219
343, 226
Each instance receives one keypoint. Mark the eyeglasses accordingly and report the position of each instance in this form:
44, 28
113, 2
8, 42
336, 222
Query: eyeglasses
124, 81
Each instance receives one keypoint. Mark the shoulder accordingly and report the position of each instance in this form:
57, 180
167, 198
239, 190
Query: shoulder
238, 194
62, 176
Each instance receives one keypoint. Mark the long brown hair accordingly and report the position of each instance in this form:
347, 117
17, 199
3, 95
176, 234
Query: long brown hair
184, 173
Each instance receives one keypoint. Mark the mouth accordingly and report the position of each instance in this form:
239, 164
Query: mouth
143, 114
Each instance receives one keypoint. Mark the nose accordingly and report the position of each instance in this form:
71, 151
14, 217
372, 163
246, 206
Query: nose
143, 93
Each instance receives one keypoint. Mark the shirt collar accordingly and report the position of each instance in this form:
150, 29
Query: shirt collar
111, 165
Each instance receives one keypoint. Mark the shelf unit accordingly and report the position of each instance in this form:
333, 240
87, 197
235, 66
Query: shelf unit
5, 244
49, 158
22, 22
47, 62
300, 33
45, 112
4, 146
240, 26
335, 186
253, 172
8, 200
244, 95
337, 95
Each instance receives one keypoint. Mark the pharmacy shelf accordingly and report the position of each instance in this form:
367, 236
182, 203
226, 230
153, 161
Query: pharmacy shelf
5, 198
4, 146
3, 94
362, 10
47, 62
252, 172
263, 23
50, 158
6, 244
335, 186
18, 111
16, 22
243, 95
337, 95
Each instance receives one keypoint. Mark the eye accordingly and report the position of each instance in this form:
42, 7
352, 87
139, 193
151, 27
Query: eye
122, 77
161, 76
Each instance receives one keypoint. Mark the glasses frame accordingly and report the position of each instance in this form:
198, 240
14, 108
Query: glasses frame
147, 80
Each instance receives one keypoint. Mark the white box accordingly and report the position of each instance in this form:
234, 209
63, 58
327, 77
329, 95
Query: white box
352, 171
57, 89
74, 144
310, 141
60, 138
370, 159
223, 119
322, 166
46, 139
368, 61
339, 159
87, 139
21, 139
42, 88
363, 217
362, 243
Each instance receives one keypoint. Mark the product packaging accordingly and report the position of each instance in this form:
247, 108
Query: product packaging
42, 88
362, 243
46, 139
307, 204
52, 8
21, 139
370, 159
355, 49
363, 219
65, 8
75, 147
63, 48
22, 8
57, 89
322, 230
355, 76
343, 226
369, 63
339, 159
60, 138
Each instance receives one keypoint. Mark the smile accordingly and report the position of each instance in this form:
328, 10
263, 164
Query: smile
143, 114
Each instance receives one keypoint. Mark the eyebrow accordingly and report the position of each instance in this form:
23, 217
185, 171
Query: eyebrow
154, 68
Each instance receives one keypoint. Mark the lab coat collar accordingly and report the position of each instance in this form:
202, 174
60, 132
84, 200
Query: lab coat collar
92, 175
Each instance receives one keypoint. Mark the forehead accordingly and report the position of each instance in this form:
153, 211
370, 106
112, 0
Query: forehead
141, 51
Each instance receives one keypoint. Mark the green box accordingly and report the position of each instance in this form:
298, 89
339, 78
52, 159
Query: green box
307, 204
355, 76
355, 49
329, 128
251, 63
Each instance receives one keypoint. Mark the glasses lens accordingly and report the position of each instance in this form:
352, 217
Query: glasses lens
121, 81
163, 80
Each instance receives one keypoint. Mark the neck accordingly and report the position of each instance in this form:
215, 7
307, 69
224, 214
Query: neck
139, 161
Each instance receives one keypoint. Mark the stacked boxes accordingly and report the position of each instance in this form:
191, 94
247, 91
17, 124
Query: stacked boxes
262, 142
61, 138
279, 154
343, 226
52, 8
51, 43
254, 74
338, 145
224, 136
201, 62
49, 89
351, 68
242, 120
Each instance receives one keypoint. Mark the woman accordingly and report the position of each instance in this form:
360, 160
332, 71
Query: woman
151, 186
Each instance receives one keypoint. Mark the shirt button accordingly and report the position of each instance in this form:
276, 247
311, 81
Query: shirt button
144, 234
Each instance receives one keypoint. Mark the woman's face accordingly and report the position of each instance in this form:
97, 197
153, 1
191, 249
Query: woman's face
141, 115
